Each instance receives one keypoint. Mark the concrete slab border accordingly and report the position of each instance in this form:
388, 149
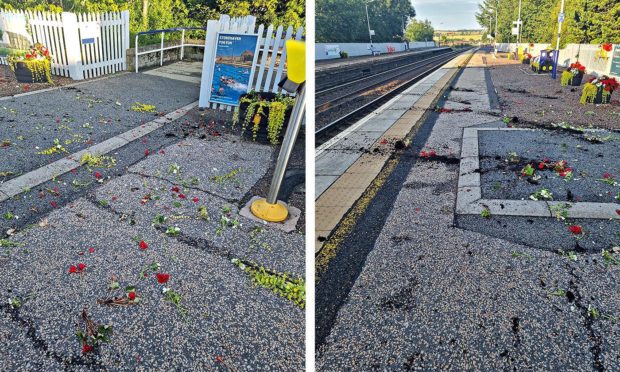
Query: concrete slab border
469, 195
38, 176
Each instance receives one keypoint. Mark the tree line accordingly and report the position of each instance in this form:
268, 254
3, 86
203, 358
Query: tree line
585, 21
160, 14
344, 21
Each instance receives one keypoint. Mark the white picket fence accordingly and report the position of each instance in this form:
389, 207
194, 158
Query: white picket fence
268, 63
64, 34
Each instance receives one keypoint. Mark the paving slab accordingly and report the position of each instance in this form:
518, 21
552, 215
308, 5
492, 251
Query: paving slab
228, 319
80, 116
249, 240
241, 165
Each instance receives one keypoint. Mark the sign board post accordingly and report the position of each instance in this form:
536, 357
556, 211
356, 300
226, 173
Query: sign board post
615, 61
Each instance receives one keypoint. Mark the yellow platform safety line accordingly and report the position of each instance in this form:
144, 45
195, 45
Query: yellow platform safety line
296, 72
346, 225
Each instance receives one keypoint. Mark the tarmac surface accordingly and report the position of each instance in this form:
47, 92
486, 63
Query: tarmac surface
178, 189
421, 293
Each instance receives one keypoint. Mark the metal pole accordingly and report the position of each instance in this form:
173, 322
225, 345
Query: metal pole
496, 12
519, 27
368, 21
136, 52
294, 124
161, 53
557, 45
182, 43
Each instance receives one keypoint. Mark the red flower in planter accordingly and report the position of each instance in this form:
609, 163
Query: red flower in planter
575, 229
131, 295
143, 245
607, 47
86, 348
162, 278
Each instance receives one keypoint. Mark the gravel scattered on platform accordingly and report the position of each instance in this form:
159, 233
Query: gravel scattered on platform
238, 165
228, 318
81, 116
251, 241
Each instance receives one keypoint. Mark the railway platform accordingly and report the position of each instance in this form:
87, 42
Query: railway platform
349, 162
414, 278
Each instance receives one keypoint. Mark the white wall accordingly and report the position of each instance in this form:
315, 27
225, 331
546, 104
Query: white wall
363, 49
587, 55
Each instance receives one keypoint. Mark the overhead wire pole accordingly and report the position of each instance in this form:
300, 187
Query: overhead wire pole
556, 55
368, 22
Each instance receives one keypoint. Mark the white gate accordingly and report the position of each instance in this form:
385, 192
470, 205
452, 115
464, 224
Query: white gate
83, 45
268, 62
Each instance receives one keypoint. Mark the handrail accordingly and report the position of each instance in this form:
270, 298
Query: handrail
161, 46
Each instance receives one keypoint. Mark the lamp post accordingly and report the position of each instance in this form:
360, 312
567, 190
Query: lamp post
368, 22
496, 14
556, 55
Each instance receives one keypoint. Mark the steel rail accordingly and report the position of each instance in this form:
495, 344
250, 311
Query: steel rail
323, 134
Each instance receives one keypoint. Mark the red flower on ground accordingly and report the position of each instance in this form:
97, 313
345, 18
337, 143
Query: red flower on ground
575, 229
73, 269
162, 152
607, 175
87, 348
146, 152
97, 175
81, 266
541, 166
182, 196
91, 250
195, 200
618, 212
384, 141
131, 295
54, 204
143, 245
162, 277
175, 189
219, 359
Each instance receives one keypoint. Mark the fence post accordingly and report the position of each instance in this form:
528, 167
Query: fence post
125, 18
207, 63
72, 45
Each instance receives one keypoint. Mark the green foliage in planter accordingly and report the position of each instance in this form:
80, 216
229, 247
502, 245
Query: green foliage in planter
41, 69
567, 78
588, 94
256, 110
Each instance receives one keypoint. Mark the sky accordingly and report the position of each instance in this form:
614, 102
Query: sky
448, 14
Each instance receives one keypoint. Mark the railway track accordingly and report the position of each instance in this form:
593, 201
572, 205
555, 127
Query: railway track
333, 101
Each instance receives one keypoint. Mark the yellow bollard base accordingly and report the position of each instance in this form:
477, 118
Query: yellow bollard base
269, 212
